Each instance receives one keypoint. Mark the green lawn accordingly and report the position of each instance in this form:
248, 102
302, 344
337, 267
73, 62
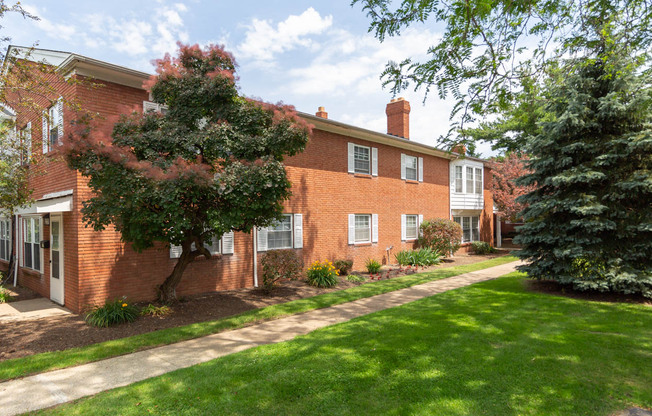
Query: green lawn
488, 349
21, 367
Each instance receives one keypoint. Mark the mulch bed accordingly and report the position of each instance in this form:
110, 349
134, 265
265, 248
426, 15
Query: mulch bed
24, 338
552, 287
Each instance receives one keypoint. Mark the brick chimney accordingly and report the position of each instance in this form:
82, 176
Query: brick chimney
321, 113
459, 149
398, 118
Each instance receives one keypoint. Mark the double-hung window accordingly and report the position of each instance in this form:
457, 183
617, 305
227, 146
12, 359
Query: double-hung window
468, 180
217, 245
411, 167
282, 234
52, 128
470, 228
459, 180
31, 243
26, 144
411, 227
363, 228
362, 159
279, 234
5, 239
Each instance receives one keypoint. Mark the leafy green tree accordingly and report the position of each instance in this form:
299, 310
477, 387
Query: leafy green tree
589, 220
491, 52
210, 164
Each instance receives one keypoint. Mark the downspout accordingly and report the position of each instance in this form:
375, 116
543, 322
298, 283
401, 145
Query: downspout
255, 256
17, 252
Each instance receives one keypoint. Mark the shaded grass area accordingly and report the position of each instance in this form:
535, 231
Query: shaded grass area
37, 363
492, 348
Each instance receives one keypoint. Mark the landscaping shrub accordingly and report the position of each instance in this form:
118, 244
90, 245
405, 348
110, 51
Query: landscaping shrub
153, 310
4, 295
422, 257
322, 274
373, 266
344, 266
442, 235
112, 313
482, 247
278, 265
354, 278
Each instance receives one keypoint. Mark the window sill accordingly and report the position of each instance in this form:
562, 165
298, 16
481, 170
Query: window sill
362, 175
31, 272
362, 244
411, 181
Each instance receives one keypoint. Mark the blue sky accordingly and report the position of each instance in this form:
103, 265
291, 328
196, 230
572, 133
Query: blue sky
304, 53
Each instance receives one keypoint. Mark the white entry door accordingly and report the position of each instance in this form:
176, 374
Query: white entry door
56, 259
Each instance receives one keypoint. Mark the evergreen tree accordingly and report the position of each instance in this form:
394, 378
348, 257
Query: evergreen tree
589, 220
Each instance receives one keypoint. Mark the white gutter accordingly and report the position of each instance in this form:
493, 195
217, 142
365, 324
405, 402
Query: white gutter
254, 233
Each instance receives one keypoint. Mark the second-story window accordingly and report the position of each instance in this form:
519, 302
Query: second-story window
411, 168
362, 158
26, 143
478, 181
459, 180
52, 128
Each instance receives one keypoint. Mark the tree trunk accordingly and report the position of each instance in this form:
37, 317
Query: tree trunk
167, 292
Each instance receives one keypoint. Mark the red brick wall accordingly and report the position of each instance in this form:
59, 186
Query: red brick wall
98, 266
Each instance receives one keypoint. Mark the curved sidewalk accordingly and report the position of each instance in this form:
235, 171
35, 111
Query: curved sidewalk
60, 386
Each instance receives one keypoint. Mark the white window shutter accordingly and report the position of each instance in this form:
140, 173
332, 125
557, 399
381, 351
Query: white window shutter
403, 227
374, 228
45, 132
403, 174
420, 169
351, 158
227, 243
419, 225
60, 120
298, 231
374, 161
262, 239
351, 228
175, 251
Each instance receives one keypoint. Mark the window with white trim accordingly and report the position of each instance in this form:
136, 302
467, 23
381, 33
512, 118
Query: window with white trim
5, 239
411, 227
52, 127
26, 144
478, 181
32, 230
217, 245
411, 168
283, 234
459, 180
279, 234
362, 159
470, 228
362, 228
468, 180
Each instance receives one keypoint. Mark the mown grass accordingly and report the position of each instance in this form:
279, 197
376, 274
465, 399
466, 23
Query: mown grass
492, 348
38, 363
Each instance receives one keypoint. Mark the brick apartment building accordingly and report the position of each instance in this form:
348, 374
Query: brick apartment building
356, 194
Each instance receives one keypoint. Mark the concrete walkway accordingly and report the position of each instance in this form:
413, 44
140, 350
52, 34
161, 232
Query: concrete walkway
25, 310
60, 386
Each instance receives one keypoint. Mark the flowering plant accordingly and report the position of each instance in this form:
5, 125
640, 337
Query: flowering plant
322, 274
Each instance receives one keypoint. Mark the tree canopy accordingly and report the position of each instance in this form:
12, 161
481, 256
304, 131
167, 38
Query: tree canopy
492, 54
589, 220
210, 163
506, 171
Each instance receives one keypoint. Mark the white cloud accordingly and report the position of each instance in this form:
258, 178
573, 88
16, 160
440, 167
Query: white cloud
263, 41
355, 62
53, 30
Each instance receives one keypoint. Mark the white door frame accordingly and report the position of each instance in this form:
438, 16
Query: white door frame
58, 282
